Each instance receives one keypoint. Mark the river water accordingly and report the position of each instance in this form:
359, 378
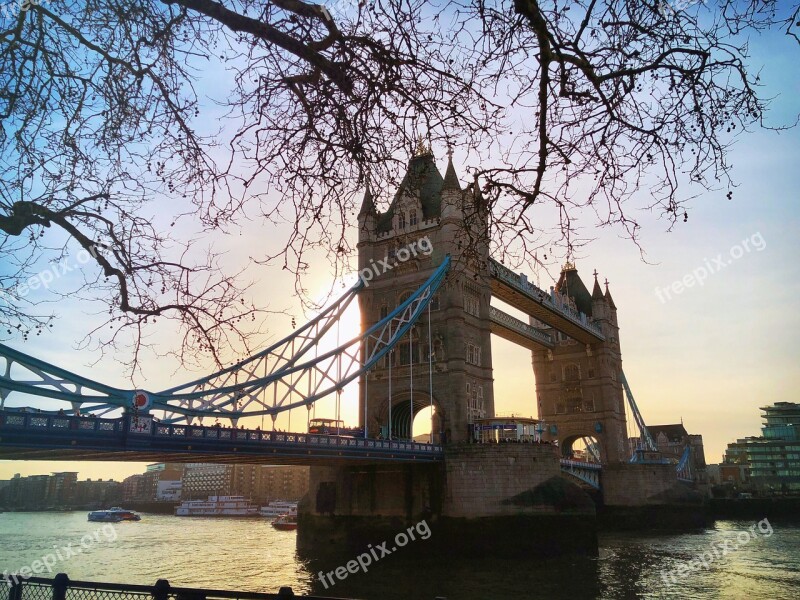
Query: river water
731, 560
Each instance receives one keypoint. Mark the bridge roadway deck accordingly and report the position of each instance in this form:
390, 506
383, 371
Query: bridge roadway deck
41, 436
516, 331
515, 291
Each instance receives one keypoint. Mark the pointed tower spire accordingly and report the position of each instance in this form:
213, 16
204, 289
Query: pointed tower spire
570, 285
450, 178
368, 203
609, 299
597, 293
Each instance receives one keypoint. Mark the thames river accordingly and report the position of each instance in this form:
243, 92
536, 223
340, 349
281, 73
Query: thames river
734, 559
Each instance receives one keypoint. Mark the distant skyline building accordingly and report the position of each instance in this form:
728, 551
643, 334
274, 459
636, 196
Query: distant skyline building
197, 481
672, 440
201, 480
61, 488
56, 491
161, 482
131, 488
773, 459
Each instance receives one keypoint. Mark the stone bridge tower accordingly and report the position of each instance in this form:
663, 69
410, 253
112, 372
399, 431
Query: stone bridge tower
578, 390
430, 216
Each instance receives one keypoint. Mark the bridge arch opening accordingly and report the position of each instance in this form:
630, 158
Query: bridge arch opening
405, 423
581, 447
424, 423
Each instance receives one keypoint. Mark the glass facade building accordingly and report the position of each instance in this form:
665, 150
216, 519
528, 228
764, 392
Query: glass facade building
774, 458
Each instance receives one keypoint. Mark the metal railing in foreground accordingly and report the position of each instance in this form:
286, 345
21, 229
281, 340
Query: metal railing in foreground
18, 587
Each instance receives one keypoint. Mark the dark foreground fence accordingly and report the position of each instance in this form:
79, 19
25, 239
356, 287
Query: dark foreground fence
61, 588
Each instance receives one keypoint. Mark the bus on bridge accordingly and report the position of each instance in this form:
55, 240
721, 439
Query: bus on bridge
323, 426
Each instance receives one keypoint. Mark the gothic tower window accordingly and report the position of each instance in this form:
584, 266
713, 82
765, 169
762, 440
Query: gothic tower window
572, 373
472, 303
575, 405
475, 406
405, 353
388, 359
401, 221
436, 353
409, 349
412, 217
473, 354
438, 349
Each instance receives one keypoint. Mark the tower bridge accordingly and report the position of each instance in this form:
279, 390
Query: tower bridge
425, 342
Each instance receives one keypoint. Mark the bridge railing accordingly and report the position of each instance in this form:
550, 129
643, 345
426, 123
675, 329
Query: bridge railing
581, 464
517, 281
65, 424
504, 318
61, 587
257, 436
13, 419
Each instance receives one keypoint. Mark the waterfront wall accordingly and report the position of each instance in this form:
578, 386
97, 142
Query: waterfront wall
154, 507
755, 508
490, 480
639, 496
645, 485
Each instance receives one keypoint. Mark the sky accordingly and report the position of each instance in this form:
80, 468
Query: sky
708, 352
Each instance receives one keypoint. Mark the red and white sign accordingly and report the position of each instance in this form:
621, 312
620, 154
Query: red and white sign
141, 401
141, 425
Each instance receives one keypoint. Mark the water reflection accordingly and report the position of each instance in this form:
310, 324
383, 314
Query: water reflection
250, 555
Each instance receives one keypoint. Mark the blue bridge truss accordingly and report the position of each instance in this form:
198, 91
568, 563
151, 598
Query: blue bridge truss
289, 374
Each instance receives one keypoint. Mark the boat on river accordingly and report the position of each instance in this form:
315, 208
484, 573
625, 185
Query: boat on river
278, 508
115, 514
104, 516
286, 522
217, 506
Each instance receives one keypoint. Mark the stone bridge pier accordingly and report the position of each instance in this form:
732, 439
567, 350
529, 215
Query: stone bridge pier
483, 499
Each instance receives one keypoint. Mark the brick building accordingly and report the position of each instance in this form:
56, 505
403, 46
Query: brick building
97, 493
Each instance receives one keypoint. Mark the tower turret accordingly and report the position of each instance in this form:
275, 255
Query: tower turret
452, 196
452, 350
599, 304
612, 307
367, 216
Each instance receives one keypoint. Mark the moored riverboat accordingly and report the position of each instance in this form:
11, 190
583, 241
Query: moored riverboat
217, 506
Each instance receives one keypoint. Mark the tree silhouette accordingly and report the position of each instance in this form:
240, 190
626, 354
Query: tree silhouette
583, 106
